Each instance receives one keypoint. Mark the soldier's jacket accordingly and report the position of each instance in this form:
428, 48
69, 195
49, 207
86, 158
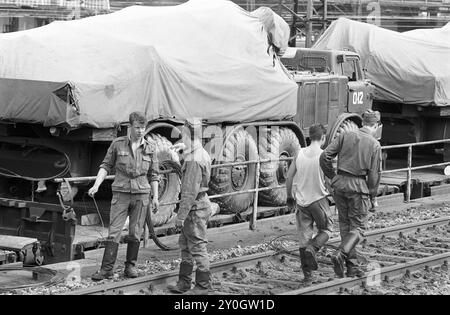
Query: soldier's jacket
359, 162
195, 180
131, 171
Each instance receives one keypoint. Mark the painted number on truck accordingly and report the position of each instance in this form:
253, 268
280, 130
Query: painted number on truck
358, 97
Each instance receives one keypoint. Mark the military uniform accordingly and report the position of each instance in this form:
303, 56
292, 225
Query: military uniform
195, 209
131, 193
355, 184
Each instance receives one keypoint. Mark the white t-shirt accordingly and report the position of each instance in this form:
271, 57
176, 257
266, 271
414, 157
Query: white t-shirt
309, 179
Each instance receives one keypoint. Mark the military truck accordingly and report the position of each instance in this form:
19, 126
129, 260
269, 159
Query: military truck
411, 75
357, 90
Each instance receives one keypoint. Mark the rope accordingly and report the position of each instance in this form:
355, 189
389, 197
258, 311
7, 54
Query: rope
12, 174
56, 277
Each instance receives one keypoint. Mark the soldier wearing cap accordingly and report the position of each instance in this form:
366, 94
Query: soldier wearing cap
194, 212
355, 186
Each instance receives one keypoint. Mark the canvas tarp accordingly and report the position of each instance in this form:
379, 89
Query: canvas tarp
411, 67
202, 59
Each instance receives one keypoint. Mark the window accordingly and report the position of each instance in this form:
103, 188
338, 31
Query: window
350, 69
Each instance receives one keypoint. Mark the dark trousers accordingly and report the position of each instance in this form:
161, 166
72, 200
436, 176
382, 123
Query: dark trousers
353, 213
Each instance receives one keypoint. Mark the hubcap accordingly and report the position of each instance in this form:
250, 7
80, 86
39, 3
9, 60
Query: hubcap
283, 167
239, 174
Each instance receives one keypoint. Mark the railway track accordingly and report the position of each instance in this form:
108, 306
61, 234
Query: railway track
391, 253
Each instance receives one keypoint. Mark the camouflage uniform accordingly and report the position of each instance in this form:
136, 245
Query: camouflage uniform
131, 193
195, 209
131, 189
356, 182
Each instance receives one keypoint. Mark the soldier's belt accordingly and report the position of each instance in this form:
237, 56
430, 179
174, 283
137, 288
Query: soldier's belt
343, 173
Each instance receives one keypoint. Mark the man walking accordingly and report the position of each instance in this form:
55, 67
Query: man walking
193, 214
355, 186
310, 200
133, 158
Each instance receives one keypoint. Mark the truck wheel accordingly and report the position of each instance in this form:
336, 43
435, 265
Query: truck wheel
281, 144
339, 127
239, 147
169, 186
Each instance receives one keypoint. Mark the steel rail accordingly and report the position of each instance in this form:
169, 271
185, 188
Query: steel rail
134, 285
390, 271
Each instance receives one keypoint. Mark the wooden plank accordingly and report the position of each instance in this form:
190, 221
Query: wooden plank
440, 190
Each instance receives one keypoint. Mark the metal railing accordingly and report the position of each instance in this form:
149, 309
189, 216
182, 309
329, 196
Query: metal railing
256, 190
409, 168
258, 162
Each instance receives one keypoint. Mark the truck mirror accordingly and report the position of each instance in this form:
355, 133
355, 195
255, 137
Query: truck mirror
340, 58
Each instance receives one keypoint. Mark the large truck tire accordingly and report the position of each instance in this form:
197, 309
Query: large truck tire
239, 147
343, 124
170, 184
282, 143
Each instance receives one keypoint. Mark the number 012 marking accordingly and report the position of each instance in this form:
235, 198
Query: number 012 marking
358, 97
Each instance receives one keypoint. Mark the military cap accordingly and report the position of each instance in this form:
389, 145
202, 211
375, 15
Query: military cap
193, 122
371, 117
193, 126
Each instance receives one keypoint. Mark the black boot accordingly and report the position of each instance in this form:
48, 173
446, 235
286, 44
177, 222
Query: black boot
353, 270
130, 263
109, 259
202, 283
184, 278
307, 272
313, 247
340, 255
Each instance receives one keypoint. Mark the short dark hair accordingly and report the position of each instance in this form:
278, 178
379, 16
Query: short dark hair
316, 132
138, 117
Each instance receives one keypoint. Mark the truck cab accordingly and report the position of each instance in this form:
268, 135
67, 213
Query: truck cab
342, 63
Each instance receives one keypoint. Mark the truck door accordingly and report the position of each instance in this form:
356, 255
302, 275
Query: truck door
360, 91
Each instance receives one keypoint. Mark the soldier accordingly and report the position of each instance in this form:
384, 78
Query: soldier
310, 200
193, 214
355, 186
133, 158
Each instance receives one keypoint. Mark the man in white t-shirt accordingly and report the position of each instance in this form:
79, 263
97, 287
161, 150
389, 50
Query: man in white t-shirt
310, 200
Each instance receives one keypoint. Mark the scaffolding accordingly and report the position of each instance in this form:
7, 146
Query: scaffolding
309, 18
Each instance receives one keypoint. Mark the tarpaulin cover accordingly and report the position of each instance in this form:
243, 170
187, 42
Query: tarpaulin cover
202, 59
276, 27
411, 67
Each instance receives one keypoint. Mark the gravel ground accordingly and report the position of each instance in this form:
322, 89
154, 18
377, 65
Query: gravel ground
376, 220
433, 282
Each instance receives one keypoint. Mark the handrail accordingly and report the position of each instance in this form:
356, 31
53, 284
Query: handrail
258, 163
409, 168
255, 190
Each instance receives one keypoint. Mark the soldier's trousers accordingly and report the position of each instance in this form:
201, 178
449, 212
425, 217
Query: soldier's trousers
193, 238
353, 212
123, 205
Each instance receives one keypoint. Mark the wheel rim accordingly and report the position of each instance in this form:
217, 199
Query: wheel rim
283, 167
163, 183
239, 174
